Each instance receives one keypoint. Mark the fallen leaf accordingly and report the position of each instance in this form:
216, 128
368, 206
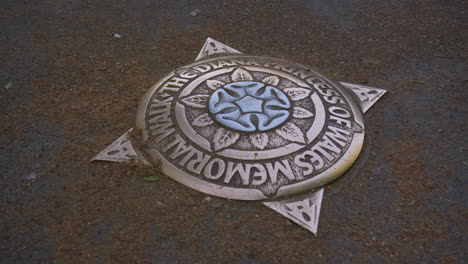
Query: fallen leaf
152, 178
9, 85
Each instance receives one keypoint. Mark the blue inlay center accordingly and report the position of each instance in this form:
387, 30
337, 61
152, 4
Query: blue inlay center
249, 106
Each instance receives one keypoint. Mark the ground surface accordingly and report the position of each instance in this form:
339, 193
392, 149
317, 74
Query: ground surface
69, 88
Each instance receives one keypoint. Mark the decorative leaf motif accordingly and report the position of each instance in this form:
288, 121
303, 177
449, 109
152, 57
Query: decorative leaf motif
299, 112
259, 140
297, 93
271, 80
202, 121
291, 132
224, 138
214, 84
197, 101
241, 75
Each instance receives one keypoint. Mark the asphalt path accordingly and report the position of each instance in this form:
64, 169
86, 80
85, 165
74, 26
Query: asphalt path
72, 74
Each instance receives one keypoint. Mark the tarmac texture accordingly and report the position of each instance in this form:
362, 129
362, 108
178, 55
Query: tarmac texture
73, 72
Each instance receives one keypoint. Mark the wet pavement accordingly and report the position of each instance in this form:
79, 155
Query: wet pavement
69, 87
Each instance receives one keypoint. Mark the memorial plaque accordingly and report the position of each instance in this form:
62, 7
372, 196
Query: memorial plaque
250, 128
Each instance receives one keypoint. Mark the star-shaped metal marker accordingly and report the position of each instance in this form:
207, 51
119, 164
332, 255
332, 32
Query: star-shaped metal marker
303, 208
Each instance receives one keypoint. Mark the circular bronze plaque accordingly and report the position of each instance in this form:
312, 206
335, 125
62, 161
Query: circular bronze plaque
250, 128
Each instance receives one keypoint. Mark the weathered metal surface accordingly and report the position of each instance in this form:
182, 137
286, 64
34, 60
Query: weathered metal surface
212, 46
250, 128
303, 210
121, 150
367, 96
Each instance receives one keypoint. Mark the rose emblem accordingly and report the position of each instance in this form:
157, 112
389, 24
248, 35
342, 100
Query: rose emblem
245, 104
249, 106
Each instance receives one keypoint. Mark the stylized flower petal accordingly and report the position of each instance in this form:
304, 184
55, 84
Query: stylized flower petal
214, 84
224, 138
202, 121
241, 75
271, 80
299, 112
291, 132
249, 106
297, 93
197, 101
259, 140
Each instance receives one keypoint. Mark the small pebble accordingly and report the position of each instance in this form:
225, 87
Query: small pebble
195, 12
31, 176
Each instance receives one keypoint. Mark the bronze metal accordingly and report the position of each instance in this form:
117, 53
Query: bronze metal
319, 141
